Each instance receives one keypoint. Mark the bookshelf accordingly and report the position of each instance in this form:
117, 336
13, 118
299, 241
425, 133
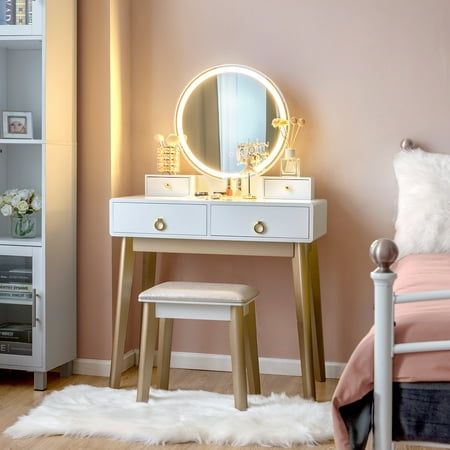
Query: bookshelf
38, 275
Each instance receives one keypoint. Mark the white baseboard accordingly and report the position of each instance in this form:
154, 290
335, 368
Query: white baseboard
101, 367
204, 361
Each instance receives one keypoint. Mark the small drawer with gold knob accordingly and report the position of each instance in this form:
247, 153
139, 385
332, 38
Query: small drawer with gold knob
260, 222
169, 185
157, 218
286, 188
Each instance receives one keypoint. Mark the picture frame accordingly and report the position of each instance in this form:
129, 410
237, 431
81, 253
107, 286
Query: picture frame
17, 125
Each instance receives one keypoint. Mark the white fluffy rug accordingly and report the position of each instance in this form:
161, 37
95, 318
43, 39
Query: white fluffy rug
177, 417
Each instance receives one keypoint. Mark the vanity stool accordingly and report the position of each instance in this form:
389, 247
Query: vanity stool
234, 303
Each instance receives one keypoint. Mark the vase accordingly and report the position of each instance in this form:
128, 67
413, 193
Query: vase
23, 226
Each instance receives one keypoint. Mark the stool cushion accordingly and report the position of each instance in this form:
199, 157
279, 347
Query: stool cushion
199, 292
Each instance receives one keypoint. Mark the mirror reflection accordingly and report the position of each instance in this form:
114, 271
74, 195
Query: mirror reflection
225, 112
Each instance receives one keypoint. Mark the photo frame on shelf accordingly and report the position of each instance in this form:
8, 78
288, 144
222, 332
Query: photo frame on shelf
17, 125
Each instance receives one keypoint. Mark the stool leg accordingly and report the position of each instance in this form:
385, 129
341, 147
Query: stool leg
251, 351
238, 357
164, 352
147, 351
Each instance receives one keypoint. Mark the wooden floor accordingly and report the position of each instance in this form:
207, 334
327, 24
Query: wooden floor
17, 397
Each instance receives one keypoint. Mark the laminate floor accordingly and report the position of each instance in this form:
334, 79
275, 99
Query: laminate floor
17, 397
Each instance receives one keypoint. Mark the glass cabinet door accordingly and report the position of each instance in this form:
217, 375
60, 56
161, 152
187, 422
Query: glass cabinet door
20, 328
21, 17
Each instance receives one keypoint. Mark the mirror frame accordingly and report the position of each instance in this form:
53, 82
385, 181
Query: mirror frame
217, 70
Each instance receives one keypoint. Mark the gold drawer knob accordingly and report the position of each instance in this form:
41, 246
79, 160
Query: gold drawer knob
167, 186
160, 225
287, 188
259, 227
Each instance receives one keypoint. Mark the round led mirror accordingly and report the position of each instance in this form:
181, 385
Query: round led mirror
227, 112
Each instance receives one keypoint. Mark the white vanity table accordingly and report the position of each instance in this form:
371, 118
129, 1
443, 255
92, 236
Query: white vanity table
194, 225
289, 229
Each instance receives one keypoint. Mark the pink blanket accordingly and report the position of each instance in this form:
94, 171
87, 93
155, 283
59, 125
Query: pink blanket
423, 321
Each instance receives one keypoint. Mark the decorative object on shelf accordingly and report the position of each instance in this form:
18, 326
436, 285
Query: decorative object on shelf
290, 164
16, 12
17, 125
168, 154
21, 206
251, 154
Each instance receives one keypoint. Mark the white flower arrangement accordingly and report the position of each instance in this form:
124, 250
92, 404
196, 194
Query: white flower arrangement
19, 202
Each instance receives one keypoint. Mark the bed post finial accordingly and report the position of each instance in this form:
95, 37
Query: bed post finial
407, 144
383, 252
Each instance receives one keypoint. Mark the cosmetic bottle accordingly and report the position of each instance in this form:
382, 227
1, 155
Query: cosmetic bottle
229, 191
238, 193
290, 164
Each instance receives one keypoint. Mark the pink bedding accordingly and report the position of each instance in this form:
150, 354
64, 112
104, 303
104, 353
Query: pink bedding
421, 321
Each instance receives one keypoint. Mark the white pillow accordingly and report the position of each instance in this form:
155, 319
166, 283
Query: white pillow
423, 218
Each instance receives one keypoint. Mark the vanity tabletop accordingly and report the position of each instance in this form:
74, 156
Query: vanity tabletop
224, 200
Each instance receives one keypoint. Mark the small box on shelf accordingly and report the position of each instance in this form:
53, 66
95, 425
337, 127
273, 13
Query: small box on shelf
170, 185
288, 188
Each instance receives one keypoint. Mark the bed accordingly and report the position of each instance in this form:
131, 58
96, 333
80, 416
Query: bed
397, 381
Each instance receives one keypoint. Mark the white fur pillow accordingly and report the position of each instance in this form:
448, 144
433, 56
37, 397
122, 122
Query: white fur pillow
423, 218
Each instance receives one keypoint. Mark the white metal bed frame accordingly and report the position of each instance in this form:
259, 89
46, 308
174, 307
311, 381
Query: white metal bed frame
384, 252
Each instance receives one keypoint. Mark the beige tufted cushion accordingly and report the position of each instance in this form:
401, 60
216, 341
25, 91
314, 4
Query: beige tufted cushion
198, 292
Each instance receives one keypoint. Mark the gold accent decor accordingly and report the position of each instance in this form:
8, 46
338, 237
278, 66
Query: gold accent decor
160, 225
259, 227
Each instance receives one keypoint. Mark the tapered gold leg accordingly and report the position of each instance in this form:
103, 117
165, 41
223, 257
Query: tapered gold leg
122, 310
238, 357
251, 351
316, 307
148, 270
302, 289
146, 351
164, 352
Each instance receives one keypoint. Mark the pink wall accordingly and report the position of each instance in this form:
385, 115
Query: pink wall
363, 74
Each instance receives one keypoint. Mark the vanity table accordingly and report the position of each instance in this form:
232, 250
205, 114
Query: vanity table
283, 227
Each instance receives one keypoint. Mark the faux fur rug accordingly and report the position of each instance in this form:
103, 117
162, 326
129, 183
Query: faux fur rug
177, 417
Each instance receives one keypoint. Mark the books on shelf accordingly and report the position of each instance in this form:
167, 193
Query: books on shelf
16, 284
16, 348
16, 332
13, 276
16, 295
16, 12
15, 287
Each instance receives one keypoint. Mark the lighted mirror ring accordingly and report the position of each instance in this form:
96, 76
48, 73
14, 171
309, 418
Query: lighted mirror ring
280, 102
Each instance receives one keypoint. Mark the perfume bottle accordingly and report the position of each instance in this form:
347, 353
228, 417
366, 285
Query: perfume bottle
290, 164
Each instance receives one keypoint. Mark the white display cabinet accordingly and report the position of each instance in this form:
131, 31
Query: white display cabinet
38, 275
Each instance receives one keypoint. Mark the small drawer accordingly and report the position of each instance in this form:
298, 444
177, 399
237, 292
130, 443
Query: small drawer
158, 219
288, 188
260, 221
169, 185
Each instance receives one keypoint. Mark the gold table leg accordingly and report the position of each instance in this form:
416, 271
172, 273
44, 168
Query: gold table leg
316, 307
302, 292
126, 268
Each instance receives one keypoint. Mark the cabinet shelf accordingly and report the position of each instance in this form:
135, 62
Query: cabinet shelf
20, 42
15, 301
22, 141
31, 242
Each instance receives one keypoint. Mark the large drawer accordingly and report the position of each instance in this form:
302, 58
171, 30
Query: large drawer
158, 219
260, 221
